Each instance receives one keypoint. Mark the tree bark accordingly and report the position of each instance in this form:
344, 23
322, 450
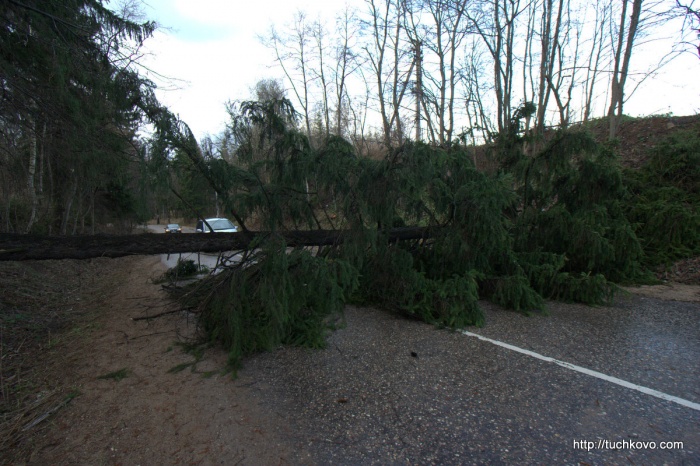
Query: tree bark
31, 174
15, 247
619, 78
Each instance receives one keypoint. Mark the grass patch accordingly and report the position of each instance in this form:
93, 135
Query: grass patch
116, 375
43, 304
181, 367
185, 268
196, 350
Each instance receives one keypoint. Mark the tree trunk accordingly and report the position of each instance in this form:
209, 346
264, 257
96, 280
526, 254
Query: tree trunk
14, 247
31, 187
594, 61
418, 91
69, 205
617, 90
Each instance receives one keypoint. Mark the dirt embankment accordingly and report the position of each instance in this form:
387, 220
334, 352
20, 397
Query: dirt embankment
637, 137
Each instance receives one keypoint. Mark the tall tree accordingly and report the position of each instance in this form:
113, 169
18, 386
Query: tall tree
438, 40
495, 23
626, 34
603, 16
69, 98
346, 64
692, 19
390, 63
293, 55
319, 35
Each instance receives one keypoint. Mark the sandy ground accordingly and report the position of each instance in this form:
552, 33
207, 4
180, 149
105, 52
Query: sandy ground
386, 390
668, 292
156, 414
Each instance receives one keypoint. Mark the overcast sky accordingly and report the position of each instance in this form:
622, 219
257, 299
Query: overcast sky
210, 50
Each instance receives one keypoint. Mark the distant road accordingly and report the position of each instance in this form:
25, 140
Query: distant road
161, 228
170, 260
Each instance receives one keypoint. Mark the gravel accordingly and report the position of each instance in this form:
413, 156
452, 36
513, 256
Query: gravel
390, 390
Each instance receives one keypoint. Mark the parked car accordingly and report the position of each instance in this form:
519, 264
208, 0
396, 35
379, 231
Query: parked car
219, 225
173, 228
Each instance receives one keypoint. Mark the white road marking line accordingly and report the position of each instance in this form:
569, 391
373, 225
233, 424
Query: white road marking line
583, 370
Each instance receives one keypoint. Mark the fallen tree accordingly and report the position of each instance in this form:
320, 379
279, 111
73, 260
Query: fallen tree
14, 247
547, 225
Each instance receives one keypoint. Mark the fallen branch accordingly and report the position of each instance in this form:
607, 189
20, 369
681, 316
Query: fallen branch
161, 314
151, 334
48, 413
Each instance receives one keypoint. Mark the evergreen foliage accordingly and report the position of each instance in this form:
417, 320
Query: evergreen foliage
664, 203
184, 268
550, 225
390, 280
557, 221
273, 297
195, 192
68, 115
572, 205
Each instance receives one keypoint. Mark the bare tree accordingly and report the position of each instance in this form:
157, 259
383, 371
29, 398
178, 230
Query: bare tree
291, 50
31, 173
550, 46
320, 37
528, 58
387, 59
495, 23
474, 94
346, 64
692, 19
441, 35
603, 15
622, 56
552, 56
267, 90
564, 59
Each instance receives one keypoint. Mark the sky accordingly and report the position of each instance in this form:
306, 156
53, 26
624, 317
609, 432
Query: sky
207, 52
210, 52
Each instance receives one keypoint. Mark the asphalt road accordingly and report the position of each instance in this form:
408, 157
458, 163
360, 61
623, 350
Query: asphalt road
161, 228
388, 390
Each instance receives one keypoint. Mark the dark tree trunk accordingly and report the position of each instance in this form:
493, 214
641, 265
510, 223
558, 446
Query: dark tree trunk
14, 247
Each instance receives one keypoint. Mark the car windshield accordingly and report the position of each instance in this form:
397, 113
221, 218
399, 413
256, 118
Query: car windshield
173, 226
221, 224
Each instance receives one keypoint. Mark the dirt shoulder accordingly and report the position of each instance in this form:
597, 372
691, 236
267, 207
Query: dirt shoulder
120, 391
668, 292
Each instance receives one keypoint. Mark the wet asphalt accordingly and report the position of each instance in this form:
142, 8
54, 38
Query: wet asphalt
390, 390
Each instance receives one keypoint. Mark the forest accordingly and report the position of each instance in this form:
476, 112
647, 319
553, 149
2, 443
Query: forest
485, 146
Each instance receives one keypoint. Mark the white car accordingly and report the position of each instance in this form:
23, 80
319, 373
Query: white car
219, 225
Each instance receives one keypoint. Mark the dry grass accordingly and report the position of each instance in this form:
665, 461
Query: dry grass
686, 271
41, 303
